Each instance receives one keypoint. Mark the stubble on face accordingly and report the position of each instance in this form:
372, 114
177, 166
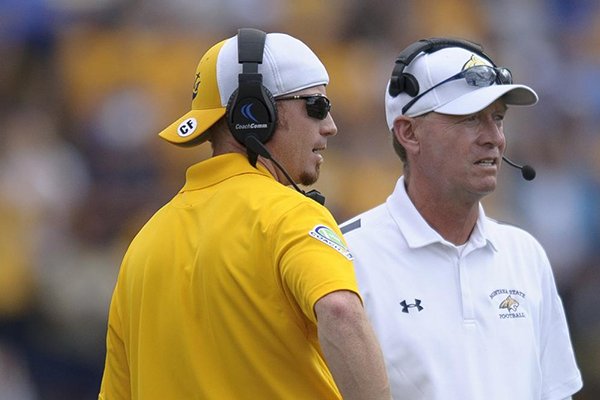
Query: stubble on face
308, 179
292, 156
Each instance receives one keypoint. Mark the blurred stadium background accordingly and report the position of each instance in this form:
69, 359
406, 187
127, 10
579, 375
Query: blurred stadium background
85, 86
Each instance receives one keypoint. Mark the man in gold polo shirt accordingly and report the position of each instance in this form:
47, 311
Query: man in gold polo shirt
241, 287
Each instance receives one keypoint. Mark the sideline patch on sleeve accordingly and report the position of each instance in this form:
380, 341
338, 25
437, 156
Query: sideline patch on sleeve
327, 235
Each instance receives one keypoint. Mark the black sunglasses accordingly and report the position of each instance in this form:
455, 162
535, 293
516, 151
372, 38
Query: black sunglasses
479, 76
317, 105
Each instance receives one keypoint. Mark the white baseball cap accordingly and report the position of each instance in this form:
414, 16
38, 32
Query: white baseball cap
288, 65
455, 97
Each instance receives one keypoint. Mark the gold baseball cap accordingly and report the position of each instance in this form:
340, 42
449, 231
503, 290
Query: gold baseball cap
207, 107
288, 65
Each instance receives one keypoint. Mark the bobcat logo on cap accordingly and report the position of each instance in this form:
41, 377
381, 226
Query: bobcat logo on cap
196, 84
473, 61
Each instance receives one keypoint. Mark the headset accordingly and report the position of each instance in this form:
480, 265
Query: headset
404, 82
251, 110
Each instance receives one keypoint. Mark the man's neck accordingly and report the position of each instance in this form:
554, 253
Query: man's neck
452, 218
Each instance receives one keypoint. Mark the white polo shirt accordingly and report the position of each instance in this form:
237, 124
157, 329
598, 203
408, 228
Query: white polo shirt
481, 322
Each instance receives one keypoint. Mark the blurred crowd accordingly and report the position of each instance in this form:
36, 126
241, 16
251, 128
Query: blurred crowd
86, 85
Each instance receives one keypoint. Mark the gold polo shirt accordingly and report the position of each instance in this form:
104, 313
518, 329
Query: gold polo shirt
215, 295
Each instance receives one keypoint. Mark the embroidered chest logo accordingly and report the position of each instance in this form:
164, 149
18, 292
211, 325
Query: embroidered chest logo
508, 301
510, 304
406, 306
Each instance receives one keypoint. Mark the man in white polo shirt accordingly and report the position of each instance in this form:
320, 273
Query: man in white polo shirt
464, 307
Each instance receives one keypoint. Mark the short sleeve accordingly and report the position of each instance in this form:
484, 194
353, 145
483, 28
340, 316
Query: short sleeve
313, 258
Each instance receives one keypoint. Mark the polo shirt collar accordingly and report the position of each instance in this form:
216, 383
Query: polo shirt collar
417, 231
219, 168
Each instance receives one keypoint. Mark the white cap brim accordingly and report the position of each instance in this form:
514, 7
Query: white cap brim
431, 70
477, 100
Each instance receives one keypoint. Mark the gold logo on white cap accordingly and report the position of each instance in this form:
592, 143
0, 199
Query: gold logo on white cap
473, 61
196, 84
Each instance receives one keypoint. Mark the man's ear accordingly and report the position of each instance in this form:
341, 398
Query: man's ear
404, 131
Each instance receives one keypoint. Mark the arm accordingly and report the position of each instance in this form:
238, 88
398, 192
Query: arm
350, 347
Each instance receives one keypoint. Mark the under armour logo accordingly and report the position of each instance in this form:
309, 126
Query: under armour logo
416, 304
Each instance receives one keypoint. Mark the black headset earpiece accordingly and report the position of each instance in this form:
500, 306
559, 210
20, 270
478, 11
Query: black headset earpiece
402, 82
251, 109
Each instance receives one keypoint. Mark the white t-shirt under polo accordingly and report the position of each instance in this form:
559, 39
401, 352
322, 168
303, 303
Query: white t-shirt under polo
483, 322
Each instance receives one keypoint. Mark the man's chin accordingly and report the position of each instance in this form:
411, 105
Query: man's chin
307, 179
